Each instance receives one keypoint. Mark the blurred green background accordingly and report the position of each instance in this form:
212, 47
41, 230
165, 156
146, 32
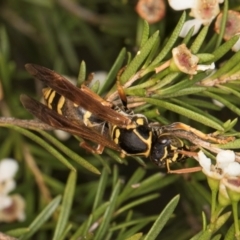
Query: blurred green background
59, 35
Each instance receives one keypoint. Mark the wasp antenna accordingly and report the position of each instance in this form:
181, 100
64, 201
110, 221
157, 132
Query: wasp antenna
121, 94
120, 89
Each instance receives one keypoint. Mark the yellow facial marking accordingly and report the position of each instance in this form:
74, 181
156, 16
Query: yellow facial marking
165, 153
140, 121
173, 147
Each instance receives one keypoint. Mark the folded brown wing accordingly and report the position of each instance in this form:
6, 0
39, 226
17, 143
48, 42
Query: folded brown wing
57, 121
86, 99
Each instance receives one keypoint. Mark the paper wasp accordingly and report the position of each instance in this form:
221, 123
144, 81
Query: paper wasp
83, 113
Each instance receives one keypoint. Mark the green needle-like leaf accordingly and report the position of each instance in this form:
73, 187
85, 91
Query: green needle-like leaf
66, 205
185, 112
136, 236
145, 32
100, 189
42, 143
81, 74
112, 74
137, 202
42, 218
162, 219
231, 145
108, 213
225, 68
224, 48
224, 102
135, 64
171, 41
196, 45
90, 220
212, 228
223, 24
75, 157
17, 232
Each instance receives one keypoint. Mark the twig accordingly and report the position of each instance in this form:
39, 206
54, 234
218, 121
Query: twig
29, 124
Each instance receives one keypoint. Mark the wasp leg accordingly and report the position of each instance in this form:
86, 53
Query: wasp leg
184, 170
188, 153
95, 150
209, 137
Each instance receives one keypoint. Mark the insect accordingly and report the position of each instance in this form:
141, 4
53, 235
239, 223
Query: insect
83, 113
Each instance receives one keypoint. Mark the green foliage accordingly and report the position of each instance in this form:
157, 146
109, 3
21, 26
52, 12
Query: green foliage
71, 194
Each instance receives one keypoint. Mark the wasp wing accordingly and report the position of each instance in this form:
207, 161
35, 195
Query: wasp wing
86, 99
57, 121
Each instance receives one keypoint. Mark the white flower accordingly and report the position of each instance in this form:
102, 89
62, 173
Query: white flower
207, 167
181, 5
5, 201
232, 169
225, 165
14, 211
202, 67
224, 158
183, 60
195, 23
8, 168
203, 11
11, 207
224, 176
204, 161
232, 27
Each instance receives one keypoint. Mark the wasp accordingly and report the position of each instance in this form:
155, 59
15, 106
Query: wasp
83, 113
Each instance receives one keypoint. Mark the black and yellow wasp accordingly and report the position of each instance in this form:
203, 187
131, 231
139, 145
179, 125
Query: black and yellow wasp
83, 113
